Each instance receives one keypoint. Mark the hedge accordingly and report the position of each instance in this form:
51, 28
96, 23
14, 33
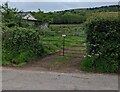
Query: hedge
103, 43
20, 45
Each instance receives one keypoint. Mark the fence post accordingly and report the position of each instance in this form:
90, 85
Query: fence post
63, 44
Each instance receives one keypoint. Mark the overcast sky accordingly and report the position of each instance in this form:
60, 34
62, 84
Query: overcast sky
56, 6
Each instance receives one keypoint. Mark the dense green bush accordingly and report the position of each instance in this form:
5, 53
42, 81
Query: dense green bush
20, 45
103, 43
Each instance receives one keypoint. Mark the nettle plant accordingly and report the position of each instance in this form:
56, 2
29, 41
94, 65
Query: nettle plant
103, 44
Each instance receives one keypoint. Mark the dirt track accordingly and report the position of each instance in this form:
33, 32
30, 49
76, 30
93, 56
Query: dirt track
56, 62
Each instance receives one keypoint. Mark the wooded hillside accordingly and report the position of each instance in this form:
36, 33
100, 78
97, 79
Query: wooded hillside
73, 16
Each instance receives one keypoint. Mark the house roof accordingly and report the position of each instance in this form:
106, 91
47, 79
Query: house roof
27, 16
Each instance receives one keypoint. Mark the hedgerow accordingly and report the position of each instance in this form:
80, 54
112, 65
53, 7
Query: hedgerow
103, 43
20, 45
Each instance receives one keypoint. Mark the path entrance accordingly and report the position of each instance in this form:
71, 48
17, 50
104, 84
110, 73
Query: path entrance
66, 52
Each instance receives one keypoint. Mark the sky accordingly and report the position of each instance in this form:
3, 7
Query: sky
55, 6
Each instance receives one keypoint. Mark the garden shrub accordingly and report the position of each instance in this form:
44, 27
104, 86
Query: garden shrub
20, 45
103, 43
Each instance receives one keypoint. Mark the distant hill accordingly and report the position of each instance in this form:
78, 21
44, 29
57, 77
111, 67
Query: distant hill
111, 8
73, 16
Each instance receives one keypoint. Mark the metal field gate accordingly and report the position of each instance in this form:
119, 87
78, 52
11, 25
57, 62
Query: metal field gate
70, 43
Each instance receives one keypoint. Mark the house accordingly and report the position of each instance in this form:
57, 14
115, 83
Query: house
32, 21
